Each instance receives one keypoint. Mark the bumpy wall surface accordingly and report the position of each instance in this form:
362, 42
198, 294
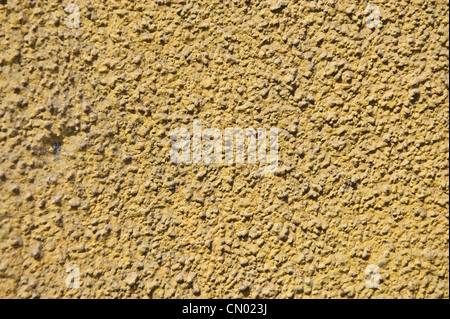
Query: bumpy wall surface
92, 205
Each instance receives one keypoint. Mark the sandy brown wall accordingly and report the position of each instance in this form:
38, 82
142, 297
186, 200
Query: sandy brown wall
91, 204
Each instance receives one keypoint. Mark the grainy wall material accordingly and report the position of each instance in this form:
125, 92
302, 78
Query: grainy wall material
91, 204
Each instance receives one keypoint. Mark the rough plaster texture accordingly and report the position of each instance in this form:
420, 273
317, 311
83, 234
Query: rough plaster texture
86, 180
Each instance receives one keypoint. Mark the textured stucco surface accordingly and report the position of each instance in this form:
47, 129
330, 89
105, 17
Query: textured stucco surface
86, 177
